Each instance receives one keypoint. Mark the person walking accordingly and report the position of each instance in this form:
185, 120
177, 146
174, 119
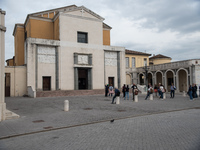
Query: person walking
126, 93
190, 92
124, 90
172, 92
111, 90
106, 90
149, 91
161, 90
134, 88
155, 90
117, 93
195, 91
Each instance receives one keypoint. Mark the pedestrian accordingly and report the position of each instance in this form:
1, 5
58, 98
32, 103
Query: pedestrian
190, 92
161, 90
155, 89
117, 93
172, 92
126, 93
106, 90
149, 91
134, 88
111, 90
195, 91
123, 90
199, 91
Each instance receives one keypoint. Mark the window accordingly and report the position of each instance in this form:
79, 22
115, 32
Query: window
133, 62
82, 37
127, 62
145, 62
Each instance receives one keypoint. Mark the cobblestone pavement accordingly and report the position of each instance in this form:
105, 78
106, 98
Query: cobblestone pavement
158, 124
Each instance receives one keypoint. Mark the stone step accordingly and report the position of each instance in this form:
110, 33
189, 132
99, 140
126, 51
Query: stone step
59, 93
11, 115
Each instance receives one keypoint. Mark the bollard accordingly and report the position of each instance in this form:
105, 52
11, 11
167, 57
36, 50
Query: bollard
164, 95
136, 98
117, 100
151, 96
184, 94
66, 105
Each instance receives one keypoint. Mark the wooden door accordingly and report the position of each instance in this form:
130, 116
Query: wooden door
111, 81
46, 83
7, 84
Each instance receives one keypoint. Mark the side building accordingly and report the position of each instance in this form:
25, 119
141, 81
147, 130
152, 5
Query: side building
66, 48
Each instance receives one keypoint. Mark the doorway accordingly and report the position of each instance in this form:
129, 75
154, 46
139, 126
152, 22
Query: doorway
111, 81
83, 79
46, 83
7, 84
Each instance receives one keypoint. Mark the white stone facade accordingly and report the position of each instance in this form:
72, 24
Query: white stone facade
2, 62
64, 60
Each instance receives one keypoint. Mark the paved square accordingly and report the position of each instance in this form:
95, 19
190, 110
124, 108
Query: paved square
158, 124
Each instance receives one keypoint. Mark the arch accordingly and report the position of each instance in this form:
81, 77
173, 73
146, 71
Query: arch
128, 78
141, 77
182, 79
169, 79
158, 77
150, 78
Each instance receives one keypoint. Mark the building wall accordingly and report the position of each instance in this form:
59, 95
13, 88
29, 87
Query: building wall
19, 46
161, 61
56, 29
42, 29
17, 80
139, 60
106, 37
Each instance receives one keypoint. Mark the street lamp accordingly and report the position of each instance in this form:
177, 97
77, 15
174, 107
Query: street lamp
146, 75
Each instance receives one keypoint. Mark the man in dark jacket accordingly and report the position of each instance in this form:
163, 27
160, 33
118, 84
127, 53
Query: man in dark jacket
106, 90
117, 93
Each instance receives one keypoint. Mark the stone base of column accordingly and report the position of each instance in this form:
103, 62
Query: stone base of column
66, 105
184, 94
151, 96
164, 95
2, 111
117, 100
136, 98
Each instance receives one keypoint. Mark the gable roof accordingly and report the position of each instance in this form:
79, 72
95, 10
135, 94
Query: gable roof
159, 56
136, 52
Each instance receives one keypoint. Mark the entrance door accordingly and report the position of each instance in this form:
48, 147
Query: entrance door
7, 84
111, 81
46, 83
83, 78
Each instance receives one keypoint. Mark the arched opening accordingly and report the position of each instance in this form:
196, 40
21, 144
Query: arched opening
169, 79
128, 79
150, 80
159, 77
141, 77
182, 76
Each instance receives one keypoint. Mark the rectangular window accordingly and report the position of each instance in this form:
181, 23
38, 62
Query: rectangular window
133, 62
145, 62
127, 62
82, 37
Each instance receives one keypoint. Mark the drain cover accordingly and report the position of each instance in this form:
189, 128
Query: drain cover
121, 110
48, 127
87, 108
38, 121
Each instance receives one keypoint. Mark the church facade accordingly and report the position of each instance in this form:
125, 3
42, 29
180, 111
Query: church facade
65, 49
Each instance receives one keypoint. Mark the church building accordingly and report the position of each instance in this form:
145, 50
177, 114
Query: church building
66, 48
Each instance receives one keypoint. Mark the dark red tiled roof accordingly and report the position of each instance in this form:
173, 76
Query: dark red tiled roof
159, 56
136, 52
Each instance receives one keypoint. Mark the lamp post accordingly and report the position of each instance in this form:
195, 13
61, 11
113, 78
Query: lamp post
146, 75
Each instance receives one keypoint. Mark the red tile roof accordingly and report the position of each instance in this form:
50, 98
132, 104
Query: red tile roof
159, 56
136, 52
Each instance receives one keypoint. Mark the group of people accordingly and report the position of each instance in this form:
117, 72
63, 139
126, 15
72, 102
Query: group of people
192, 91
109, 90
125, 91
157, 89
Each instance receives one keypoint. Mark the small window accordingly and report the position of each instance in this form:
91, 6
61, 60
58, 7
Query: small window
145, 62
82, 37
133, 62
127, 62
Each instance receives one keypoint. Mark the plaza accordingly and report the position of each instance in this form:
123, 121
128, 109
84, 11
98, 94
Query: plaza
158, 124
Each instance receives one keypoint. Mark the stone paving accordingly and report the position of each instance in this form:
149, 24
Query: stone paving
158, 124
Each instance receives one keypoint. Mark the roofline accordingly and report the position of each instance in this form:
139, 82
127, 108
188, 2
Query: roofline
146, 54
16, 26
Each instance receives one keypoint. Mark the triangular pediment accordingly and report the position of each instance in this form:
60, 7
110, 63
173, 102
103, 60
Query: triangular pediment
83, 12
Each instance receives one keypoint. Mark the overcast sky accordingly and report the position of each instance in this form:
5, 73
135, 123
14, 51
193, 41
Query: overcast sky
168, 27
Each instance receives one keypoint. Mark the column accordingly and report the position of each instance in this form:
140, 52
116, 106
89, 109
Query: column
2, 65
